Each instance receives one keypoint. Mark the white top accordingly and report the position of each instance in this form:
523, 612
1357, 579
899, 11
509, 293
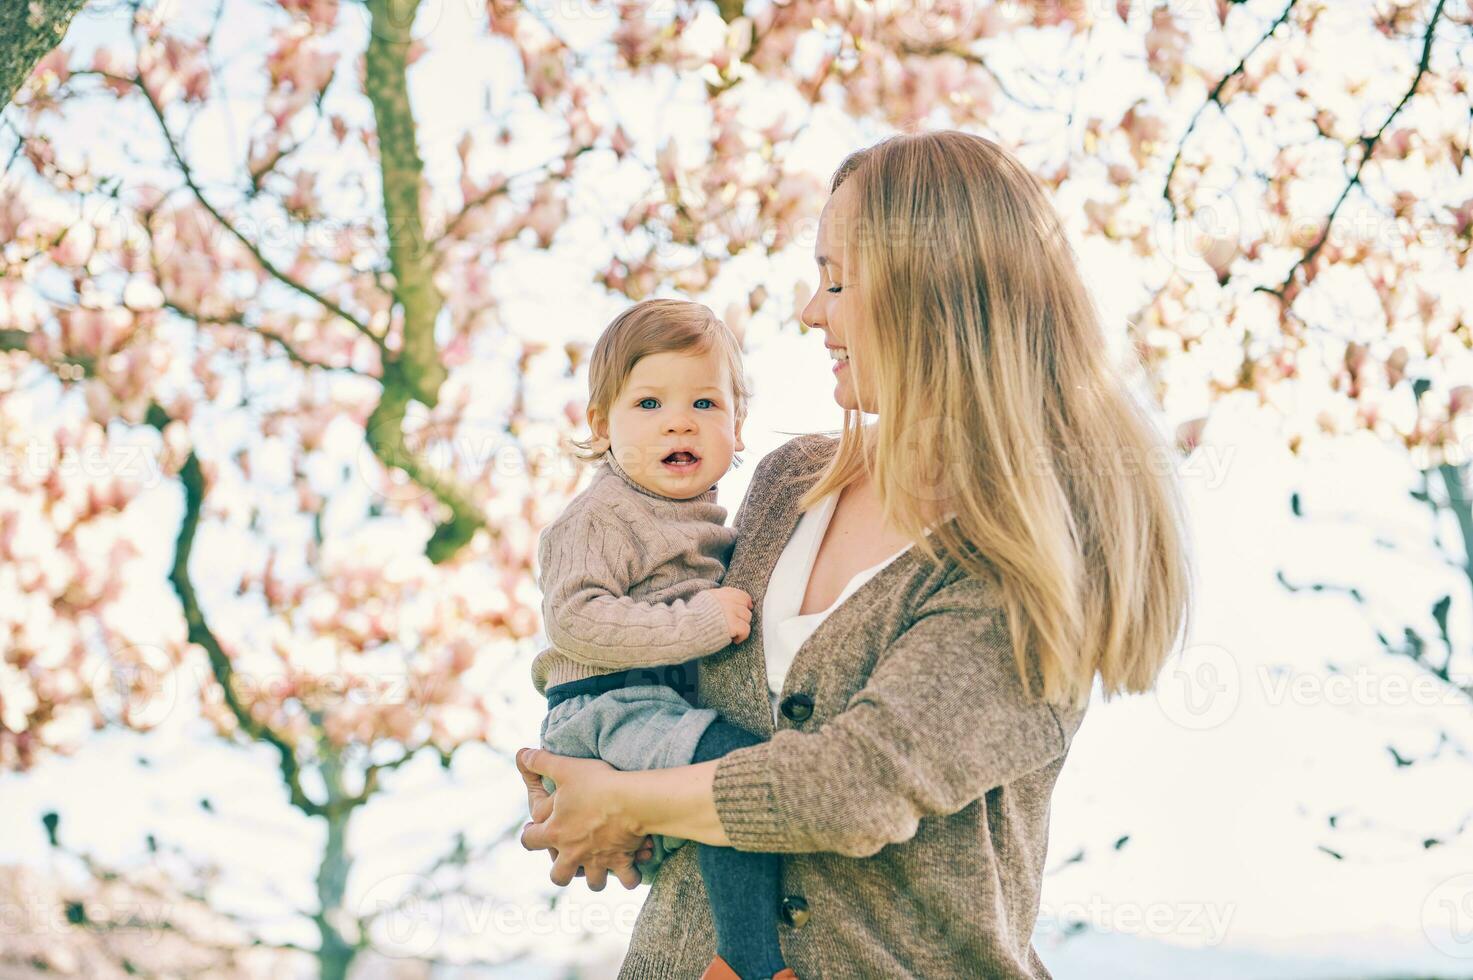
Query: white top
783, 630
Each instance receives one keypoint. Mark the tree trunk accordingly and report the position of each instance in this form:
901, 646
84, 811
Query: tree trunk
335, 952
28, 30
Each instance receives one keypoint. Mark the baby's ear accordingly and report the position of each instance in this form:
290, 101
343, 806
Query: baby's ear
599, 428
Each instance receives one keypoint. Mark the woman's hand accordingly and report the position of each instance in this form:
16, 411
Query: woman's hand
579, 824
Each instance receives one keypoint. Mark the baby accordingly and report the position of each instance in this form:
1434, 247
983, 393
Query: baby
630, 575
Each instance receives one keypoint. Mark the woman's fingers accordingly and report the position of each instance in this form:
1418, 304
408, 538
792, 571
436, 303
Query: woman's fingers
578, 811
525, 758
534, 838
539, 800
628, 875
564, 871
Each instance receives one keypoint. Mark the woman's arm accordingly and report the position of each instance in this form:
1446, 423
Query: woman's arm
943, 719
677, 802
596, 802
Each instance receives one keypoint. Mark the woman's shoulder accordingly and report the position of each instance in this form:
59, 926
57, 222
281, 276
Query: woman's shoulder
801, 454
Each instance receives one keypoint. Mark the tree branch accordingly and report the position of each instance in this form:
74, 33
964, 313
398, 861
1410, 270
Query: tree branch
971, 58
1454, 478
414, 371
187, 173
1369, 144
28, 31
1414, 647
238, 320
385, 434
1215, 97
410, 259
191, 478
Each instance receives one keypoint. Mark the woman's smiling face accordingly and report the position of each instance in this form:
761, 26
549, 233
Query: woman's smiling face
834, 307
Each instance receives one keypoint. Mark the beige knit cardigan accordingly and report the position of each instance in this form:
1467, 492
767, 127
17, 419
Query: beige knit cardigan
907, 781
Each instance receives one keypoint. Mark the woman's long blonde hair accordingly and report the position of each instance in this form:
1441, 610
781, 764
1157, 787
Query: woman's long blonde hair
997, 401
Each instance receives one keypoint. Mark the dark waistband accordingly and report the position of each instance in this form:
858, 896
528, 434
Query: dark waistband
679, 677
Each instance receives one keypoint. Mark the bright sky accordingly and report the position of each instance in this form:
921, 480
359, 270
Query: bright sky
1224, 782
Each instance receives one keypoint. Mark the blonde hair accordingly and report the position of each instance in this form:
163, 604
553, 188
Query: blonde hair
997, 400
654, 326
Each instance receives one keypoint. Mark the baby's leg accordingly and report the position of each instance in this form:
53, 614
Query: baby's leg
645, 726
742, 886
653, 727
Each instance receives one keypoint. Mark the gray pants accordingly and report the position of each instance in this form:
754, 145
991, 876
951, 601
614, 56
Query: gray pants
647, 726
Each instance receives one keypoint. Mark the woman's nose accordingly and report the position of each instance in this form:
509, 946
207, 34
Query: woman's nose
812, 314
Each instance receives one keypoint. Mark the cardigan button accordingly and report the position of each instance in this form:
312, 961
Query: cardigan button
795, 911
797, 707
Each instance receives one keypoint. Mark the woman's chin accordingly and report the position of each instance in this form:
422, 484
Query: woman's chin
845, 399
844, 396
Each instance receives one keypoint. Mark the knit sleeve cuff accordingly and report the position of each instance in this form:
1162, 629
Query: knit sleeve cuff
745, 801
710, 623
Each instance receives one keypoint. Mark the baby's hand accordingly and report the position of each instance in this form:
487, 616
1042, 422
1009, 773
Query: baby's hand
737, 606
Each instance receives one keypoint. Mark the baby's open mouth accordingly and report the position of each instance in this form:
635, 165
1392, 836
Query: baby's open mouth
680, 458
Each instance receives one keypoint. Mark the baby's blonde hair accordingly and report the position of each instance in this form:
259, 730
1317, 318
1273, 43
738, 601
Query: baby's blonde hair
654, 326
996, 399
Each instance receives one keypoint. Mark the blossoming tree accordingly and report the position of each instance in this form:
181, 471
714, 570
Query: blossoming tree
296, 336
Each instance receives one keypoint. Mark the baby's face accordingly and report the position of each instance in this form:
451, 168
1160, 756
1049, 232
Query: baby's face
674, 400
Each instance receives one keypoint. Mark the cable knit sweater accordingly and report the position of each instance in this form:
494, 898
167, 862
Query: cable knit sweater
625, 574
907, 780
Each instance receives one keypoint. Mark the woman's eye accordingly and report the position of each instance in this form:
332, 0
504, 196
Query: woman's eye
641, 402
699, 400
836, 289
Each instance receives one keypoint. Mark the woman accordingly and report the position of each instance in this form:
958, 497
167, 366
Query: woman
1024, 548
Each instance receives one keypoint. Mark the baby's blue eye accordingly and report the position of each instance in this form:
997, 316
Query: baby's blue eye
698, 401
